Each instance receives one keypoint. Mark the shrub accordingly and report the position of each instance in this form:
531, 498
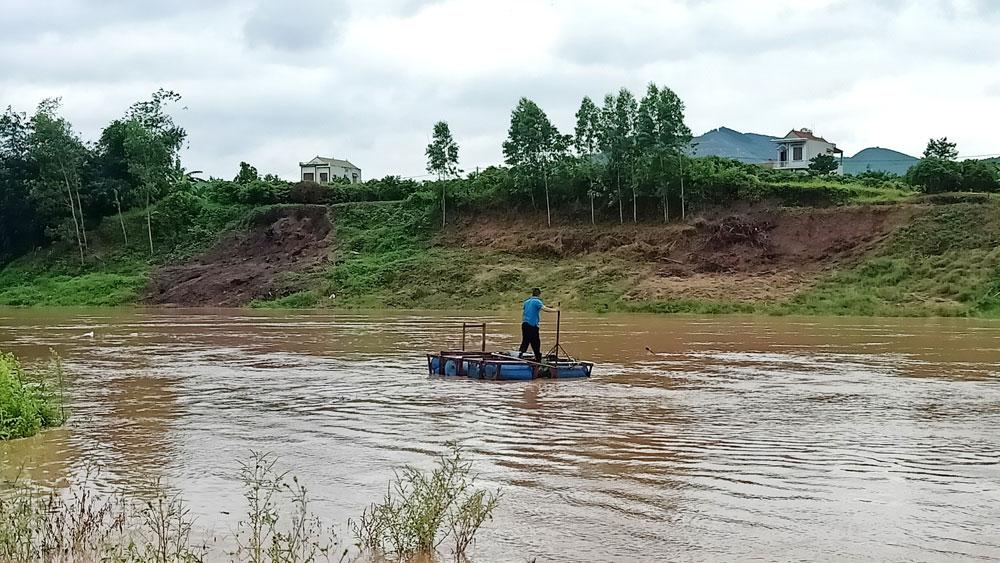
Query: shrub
176, 212
422, 509
309, 193
27, 407
936, 175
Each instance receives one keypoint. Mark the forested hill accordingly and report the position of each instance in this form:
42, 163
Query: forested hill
878, 159
729, 143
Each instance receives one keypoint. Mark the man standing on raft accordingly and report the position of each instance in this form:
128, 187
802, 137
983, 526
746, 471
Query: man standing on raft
533, 307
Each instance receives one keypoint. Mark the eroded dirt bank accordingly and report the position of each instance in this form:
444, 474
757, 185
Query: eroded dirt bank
751, 255
251, 264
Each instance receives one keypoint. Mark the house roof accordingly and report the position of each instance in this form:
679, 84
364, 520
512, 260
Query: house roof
330, 161
805, 135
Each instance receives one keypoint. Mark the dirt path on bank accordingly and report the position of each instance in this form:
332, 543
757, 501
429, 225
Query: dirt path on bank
251, 264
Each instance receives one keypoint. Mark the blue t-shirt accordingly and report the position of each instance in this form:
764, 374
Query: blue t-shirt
532, 309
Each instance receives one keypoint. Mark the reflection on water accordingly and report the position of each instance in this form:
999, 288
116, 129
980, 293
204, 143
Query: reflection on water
737, 438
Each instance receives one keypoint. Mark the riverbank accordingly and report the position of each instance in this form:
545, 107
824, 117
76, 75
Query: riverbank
903, 258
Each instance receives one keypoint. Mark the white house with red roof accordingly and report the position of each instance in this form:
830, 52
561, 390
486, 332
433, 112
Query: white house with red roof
799, 146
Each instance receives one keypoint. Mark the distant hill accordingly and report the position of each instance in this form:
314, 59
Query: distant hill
729, 143
878, 159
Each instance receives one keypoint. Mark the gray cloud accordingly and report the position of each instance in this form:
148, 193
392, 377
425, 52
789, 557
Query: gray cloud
275, 82
295, 25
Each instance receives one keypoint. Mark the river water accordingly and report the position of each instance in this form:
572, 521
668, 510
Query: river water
738, 438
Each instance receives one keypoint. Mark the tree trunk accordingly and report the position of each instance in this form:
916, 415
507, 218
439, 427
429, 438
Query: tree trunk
118, 204
683, 207
666, 216
635, 198
72, 209
149, 223
548, 210
621, 210
83, 224
444, 216
592, 209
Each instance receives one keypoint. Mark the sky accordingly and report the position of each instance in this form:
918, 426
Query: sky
276, 82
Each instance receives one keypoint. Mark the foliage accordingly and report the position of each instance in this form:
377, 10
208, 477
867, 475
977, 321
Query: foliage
260, 535
442, 152
28, 403
935, 175
82, 525
533, 144
246, 174
423, 509
823, 164
941, 149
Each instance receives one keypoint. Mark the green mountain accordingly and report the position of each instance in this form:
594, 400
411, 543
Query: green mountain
729, 143
878, 159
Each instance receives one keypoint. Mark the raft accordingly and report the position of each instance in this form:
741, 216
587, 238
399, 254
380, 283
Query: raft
501, 366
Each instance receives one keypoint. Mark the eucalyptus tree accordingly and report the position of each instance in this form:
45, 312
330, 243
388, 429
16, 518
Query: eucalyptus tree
442, 159
662, 135
532, 145
618, 141
152, 142
586, 141
58, 156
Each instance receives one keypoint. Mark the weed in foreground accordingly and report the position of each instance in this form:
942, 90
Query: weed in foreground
260, 538
423, 509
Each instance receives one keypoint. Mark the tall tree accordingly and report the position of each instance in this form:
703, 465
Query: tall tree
59, 157
152, 141
247, 174
112, 171
620, 116
941, 148
662, 136
586, 141
442, 159
532, 145
20, 228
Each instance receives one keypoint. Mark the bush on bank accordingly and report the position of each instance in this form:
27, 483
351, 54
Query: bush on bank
27, 404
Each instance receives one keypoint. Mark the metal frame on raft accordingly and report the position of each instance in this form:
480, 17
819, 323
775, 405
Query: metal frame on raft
480, 364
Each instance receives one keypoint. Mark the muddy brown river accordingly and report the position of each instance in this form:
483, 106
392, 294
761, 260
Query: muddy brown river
741, 438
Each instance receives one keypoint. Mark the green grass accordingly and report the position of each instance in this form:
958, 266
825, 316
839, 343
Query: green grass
945, 263
27, 404
114, 273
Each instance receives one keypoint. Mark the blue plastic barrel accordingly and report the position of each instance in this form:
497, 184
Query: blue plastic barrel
515, 371
435, 365
490, 371
570, 372
472, 370
450, 368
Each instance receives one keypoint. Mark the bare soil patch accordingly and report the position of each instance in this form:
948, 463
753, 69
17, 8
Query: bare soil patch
752, 254
248, 265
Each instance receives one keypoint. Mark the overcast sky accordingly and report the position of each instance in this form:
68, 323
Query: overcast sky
274, 82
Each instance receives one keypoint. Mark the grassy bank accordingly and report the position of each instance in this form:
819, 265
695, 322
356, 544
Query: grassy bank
28, 402
115, 272
392, 254
945, 262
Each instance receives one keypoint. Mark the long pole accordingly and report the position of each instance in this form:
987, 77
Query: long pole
558, 324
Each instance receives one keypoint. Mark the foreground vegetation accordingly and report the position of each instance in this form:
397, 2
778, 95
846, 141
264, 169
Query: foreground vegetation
29, 402
421, 511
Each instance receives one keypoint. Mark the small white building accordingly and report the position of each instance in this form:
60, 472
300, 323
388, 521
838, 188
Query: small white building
323, 170
799, 146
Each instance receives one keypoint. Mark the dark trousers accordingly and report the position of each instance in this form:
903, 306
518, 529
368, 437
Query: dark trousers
529, 335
